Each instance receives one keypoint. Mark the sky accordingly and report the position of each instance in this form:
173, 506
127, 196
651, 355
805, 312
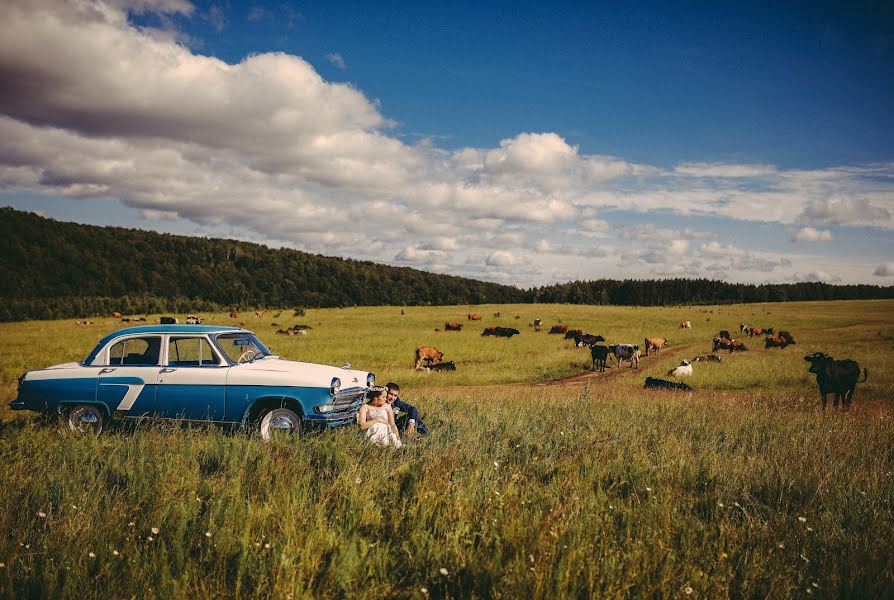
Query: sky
520, 143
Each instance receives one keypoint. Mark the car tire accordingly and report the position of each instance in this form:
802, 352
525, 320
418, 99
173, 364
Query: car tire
277, 422
86, 419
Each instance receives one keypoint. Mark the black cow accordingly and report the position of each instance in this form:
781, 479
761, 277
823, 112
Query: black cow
506, 332
662, 384
571, 333
585, 339
707, 358
443, 366
839, 377
724, 335
600, 355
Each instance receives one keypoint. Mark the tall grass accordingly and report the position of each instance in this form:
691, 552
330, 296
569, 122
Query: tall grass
600, 489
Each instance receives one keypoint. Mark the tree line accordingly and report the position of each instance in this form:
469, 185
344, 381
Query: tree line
51, 269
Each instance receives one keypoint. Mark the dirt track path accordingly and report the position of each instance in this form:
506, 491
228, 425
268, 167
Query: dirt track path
680, 352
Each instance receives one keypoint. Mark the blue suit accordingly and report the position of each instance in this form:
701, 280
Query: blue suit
407, 412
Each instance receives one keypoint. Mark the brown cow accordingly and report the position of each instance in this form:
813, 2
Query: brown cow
116, 315
778, 342
572, 333
537, 324
473, 317
725, 344
453, 326
559, 329
654, 344
756, 331
427, 354
686, 325
259, 314
234, 315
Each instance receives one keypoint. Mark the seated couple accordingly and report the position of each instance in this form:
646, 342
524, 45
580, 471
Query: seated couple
378, 421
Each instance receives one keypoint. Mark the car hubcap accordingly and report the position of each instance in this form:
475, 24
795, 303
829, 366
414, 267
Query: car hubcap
282, 424
85, 421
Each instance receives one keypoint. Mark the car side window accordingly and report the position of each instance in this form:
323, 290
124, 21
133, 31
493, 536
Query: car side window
191, 352
140, 351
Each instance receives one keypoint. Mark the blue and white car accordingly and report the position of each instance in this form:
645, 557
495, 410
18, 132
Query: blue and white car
197, 373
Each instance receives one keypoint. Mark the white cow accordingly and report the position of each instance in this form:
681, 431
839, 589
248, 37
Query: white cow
684, 370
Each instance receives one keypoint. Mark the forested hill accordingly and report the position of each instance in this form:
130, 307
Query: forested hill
51, 269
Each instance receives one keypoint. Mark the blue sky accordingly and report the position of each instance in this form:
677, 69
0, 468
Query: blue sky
515, 142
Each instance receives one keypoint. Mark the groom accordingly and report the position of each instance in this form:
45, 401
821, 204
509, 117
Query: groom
405, 415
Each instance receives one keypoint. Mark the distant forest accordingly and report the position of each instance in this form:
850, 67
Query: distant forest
50, 269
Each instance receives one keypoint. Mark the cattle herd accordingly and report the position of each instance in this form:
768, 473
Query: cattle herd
838, 377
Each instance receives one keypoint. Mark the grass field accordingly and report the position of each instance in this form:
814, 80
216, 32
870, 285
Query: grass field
539, 479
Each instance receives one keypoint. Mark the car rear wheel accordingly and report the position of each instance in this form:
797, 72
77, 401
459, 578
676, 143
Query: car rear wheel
279, 423
86, 419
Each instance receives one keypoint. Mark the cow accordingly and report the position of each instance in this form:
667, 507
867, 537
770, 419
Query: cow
259, 314
724, 335
428, 354
707, 358
663, 384
473, 317
686, 325
756, 331
125, 320
839, 377
168, 320
743, 327
683, 370
453, 326
624, 352
301, 327
193, 320
787, 335
141, 319
537, 324
654, 344
599, 355
506, 332
560, 329
234, 315
443, 366
777, 342
116, 315
496, 314
587, 340
727, 344
572, 333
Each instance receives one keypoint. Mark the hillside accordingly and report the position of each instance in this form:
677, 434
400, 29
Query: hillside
51, 269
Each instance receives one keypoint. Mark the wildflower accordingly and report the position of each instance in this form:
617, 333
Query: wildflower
810, 529
358, 481
115, 552
423, 590
74, 507
150, 538
720, 504
802, 519
131, 524
42, 515
496, 464
781, 545
648, 489
92, 555
207, 534
155, 530
687, 590
723, 555
443, 571
2, 565
267, 545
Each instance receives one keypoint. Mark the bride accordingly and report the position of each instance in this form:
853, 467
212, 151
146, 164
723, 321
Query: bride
376, 419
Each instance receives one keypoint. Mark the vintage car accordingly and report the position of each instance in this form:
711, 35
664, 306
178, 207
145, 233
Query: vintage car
197, 373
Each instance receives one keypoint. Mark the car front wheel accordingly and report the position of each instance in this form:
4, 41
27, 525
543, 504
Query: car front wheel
279, 422
86, 419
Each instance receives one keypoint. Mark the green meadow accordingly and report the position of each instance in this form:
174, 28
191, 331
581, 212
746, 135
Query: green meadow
540, 479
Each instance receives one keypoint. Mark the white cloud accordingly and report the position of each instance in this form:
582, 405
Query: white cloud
822, 276
884, 270
809, 234
500, 258
96, 107
336, 60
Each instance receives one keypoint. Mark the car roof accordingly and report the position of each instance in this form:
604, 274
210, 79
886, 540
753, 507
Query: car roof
161, 329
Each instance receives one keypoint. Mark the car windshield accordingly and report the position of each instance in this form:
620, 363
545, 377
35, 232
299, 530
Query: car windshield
242, 346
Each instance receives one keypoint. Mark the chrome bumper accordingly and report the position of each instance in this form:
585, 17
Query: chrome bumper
342, 411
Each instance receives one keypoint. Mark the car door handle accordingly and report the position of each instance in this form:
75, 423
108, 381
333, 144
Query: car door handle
106, 370
168, 370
